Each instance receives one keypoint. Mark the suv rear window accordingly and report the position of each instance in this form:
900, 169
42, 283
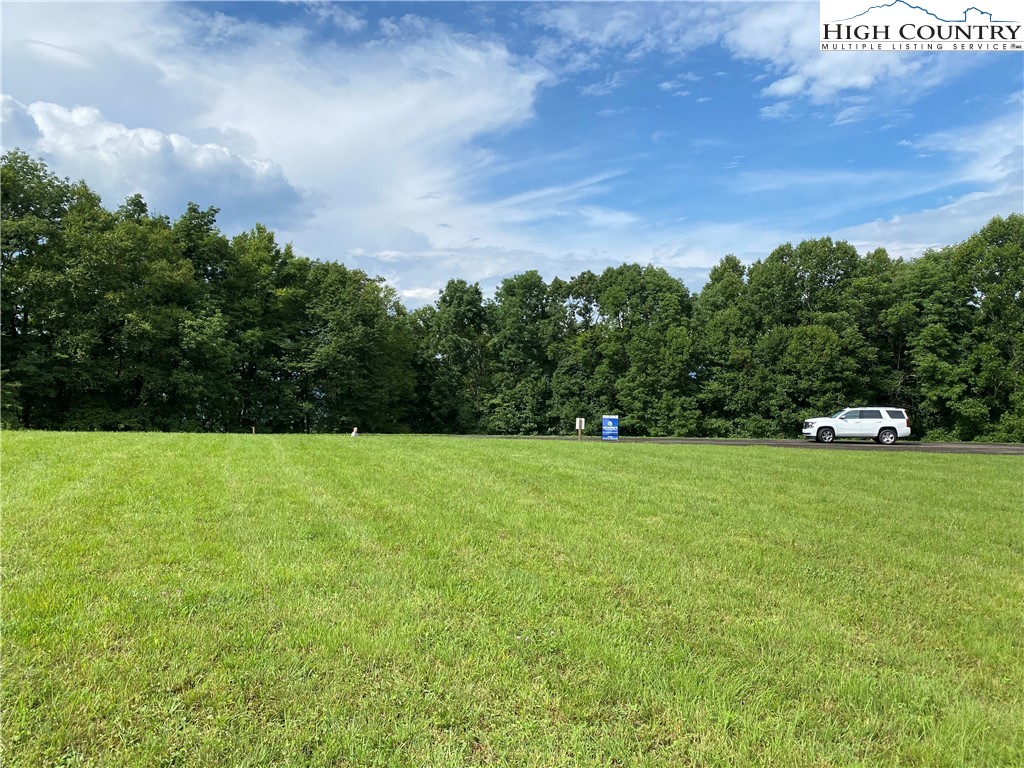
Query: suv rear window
896, 414
871, 414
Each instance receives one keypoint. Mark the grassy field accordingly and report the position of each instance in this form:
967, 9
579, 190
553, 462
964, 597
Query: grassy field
412, 601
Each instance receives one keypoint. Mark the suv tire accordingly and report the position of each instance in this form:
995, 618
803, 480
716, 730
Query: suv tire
887, 436
826, 435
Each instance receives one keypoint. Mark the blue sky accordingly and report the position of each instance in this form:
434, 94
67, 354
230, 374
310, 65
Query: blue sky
424, 141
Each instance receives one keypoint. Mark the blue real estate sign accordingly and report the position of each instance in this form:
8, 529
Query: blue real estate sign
609, 427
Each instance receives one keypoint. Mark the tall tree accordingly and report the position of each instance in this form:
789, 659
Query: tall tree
724, 330
577, 387
360, 356
265, 296
967, 347
520, 387
33, 204
647, 350
453, 360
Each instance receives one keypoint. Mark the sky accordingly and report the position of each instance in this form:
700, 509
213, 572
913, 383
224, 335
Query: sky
425, 141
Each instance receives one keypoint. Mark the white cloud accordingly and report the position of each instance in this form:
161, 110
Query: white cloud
538, 203
19, 129
425, 295
706, 244
381, 135
586, 31
337, 15
989, 157
780, 110
850, 115
661, 136
787, 87
609, 25
611, 83
599, 217
909, 235
677, 86
782, 37
58, 54
994, 151
122, 161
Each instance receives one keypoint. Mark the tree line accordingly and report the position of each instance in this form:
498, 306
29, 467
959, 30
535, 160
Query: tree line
127, 320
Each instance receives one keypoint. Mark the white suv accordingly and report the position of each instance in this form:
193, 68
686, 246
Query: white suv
881, 423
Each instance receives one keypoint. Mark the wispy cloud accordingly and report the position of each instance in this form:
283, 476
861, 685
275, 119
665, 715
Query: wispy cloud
337, 15
678, 85
777, 34
596, 216
584, 32
850, 115
610, 84
780, 110
543, 202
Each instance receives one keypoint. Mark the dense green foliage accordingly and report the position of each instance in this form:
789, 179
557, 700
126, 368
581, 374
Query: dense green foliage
313, 600
126, 320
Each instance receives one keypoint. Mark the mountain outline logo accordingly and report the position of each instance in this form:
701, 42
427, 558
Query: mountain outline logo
905, 4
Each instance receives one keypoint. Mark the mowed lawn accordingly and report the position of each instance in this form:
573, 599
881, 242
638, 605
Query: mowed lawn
241, 600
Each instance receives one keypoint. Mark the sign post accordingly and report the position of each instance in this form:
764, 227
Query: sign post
580, 426
610, 427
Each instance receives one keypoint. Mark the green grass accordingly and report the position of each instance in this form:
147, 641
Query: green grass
411, 601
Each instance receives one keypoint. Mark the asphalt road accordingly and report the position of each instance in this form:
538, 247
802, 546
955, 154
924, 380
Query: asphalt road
1006, 449
1015, 449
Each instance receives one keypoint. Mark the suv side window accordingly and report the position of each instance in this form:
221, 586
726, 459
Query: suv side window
896, 414
871, 414
851, 415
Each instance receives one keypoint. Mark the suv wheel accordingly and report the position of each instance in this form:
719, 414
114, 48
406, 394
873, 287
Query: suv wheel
826, 435
887, 436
